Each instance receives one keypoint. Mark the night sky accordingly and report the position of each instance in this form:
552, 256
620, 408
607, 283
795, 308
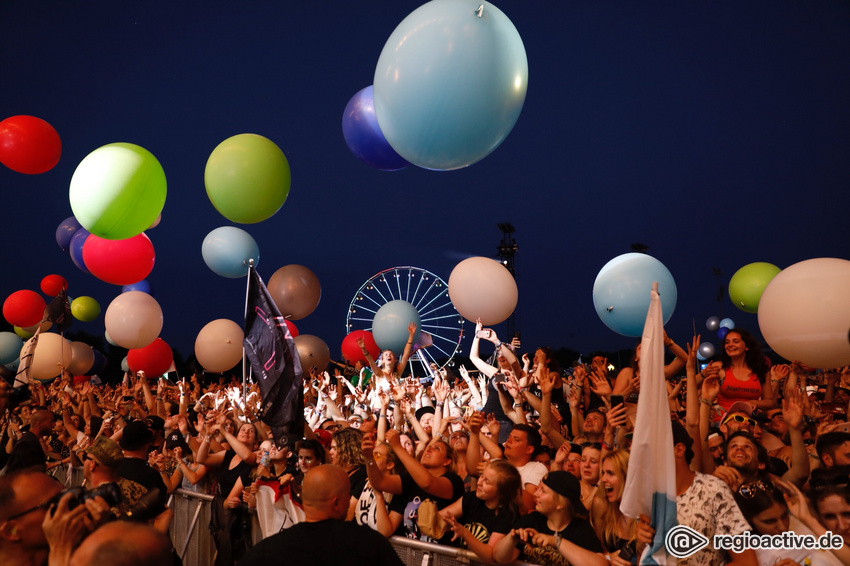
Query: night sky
717, 134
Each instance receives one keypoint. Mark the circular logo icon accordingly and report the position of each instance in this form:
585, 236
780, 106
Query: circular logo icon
682, 541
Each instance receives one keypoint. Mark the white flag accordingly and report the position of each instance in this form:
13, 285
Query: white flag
651, 479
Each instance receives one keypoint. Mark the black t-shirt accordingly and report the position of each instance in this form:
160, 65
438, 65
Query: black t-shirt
407, 504
324, 542
578, 532
137, 470
26, 453
358, 478
483, 521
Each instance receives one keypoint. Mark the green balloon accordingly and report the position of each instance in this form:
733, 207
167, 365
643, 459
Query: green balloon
85, 309
247, 178
748, 284
118, 191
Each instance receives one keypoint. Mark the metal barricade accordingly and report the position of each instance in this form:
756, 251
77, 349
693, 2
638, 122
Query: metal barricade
189, 530
417, 553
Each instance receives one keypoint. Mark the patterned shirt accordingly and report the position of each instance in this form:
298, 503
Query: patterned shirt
709, 508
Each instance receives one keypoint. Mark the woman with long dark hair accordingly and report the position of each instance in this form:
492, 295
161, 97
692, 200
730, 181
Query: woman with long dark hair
743, 374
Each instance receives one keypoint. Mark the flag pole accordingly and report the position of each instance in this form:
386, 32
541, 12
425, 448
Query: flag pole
244, 319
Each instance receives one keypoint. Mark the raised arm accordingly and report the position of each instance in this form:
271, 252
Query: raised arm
792, 413
408, 349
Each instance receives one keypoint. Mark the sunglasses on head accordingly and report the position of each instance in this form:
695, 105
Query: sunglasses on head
750, 490
741, 419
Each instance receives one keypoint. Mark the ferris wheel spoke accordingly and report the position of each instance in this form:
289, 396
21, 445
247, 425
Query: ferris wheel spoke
420, 306
407, 291
412, 298
441, 317
382, 295
371, 299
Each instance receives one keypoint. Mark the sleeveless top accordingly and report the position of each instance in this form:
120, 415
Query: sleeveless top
733, 389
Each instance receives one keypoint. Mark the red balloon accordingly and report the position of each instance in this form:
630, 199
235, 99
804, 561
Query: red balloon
53, 284
120, 262
155, 359
351, 351
291, 326
29, 145
24, 308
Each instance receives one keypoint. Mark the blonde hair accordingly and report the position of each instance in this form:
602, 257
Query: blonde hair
611, 513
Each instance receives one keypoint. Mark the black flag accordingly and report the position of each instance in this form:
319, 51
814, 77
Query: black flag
59, 311
274, 360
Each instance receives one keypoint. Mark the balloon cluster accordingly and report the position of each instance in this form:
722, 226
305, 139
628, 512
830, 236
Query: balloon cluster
448, 88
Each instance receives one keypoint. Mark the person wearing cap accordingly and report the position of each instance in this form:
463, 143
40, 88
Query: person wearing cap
746, 459
188, 474
556, 532
774, 430
100, 466
738, 417
135, 441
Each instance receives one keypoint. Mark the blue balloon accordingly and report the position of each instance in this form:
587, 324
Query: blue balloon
144, 286
722, 332
450, 83
364, 137
621, 292
713, 323
389, 327
76, 248
66, 231
226, 251
10, 347
727, 323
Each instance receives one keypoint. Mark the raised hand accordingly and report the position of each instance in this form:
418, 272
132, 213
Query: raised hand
599, 384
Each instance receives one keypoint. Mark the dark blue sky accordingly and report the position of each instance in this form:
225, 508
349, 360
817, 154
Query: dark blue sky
718, 134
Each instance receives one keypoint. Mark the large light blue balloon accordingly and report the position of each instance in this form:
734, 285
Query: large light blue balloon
621, 292
226, 251
10, 347
450, 83
389, 327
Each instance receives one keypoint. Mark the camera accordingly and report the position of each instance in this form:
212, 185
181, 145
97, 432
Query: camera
148, 507
110, 492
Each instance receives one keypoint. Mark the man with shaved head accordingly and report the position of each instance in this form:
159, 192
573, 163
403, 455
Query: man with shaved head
126, 544
324, 537
29, 449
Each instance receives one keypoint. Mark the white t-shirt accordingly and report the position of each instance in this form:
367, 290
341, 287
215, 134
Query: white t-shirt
532, 473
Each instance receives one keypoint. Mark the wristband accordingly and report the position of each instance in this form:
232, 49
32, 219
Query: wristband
607, 446
706, 402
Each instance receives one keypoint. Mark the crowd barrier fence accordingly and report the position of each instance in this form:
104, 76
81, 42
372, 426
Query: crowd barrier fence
193, 541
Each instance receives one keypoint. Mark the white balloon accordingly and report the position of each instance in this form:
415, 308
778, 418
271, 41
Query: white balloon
133, 320
804, 313
480, 287
218, 346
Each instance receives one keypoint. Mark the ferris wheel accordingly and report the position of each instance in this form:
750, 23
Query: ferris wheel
429, 294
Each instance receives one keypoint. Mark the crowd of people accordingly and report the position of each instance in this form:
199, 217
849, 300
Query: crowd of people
512, 458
